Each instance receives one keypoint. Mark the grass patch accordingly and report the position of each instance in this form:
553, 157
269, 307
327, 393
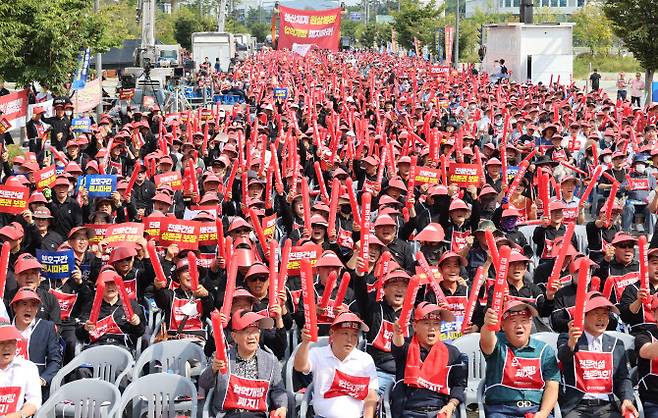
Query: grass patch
605, 64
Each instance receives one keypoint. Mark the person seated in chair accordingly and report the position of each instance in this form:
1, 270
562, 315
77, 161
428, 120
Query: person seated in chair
431, 375
594, 367
252, 386
20, 388
345, 380
646, 348
40, 343
522, 373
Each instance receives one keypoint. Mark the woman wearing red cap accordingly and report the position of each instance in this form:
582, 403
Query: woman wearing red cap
431, 375
251, 386
20, 387
344, 377
594, 367
633, 310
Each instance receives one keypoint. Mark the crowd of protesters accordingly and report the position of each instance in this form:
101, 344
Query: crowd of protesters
388, 203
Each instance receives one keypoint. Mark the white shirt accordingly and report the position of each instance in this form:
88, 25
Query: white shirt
595, 344
24, 375
323, 362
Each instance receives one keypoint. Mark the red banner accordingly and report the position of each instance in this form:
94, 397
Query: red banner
449, 37
14, 105
13, 199
172, 179
100, 231
269, 225
45, 177
120, 234
310, 252
428, 175
207, 233
152, 226
298, 29
185, 234
463, 174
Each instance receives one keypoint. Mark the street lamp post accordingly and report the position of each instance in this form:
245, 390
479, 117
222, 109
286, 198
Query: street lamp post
455, 60
99, 69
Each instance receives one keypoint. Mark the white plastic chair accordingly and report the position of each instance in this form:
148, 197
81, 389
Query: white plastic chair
550, 338
469, 344
84, 398
580, 233
108, 362
160, 396
172, 356
527, 231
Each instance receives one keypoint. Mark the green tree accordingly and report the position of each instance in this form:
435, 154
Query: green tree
375, 35
186, 22
544, 15
40, 40
260, 31
636, 24
415, 20
592, 29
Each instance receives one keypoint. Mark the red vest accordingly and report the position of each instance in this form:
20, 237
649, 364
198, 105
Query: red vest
177, 315
9, 399
248, 394
104, 326
593, 371
522, 373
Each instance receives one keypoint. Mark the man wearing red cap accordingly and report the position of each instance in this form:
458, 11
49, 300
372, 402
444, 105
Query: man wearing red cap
27, 272
431, 375
143, 193
522, 372
64, 208
20, 388
386, 231
618, 268
344, 378
646, 349
252, 386
552, 227
600, 234
594, 367
635, 312
40, 343
380, 313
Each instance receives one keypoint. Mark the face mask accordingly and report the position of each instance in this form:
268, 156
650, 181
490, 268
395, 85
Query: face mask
345, 209
639, 168
69, 113
607, 159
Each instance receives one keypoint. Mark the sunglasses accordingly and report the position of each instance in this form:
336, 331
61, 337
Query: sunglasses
258, 279
626, 246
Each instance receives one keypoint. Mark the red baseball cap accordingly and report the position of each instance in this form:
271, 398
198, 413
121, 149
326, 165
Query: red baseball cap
433, 232
599, 301
26, 262
121, 253
450, 254
514, 305
25, 293
349, 320
329, 259
9, 332
426, 310
243, 319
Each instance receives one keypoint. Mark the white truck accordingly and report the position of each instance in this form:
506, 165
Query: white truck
245, 45
168, 55
213, 45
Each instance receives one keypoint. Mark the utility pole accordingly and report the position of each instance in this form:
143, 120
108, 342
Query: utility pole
455, 61
221, 16
99, 69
